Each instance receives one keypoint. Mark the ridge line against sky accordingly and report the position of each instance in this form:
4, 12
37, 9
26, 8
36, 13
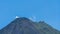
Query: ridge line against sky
47, 10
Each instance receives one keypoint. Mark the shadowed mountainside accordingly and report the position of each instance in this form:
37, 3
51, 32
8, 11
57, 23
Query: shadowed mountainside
26, 26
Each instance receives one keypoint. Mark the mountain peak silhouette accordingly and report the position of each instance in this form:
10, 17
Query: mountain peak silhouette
24, 25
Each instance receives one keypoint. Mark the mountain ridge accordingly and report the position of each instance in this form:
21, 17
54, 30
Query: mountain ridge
24, 25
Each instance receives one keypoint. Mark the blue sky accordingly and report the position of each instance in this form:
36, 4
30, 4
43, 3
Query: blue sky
47, 10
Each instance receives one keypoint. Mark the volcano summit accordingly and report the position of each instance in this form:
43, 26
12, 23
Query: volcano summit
24, 25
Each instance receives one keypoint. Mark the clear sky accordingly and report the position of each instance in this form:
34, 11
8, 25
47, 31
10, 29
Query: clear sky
47, 10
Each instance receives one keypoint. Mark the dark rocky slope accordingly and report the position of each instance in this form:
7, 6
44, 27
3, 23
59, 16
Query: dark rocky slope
25, 26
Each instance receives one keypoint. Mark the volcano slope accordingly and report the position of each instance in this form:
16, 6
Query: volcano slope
26, 26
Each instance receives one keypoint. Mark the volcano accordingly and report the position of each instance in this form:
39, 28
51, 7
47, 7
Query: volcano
24, 25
